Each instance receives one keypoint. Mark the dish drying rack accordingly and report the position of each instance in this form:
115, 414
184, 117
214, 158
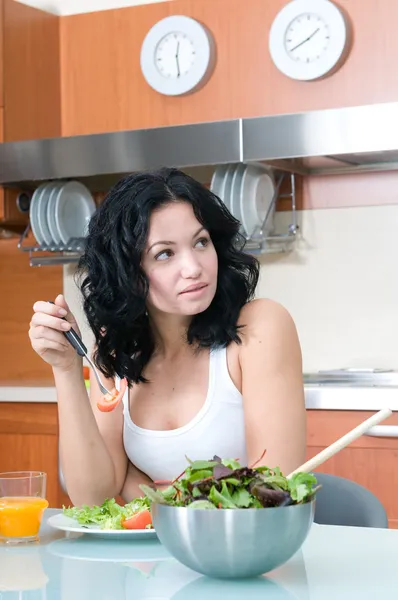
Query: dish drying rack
259, 242
62, 254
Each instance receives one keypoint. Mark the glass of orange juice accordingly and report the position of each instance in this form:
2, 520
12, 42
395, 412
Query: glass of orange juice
22, 503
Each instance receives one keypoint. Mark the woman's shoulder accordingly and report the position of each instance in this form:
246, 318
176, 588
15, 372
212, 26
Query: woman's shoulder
263, 310
264, 320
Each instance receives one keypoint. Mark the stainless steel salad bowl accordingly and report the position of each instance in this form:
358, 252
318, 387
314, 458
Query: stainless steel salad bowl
233, 543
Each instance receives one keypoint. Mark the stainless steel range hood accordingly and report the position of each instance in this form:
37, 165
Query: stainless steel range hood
344, 140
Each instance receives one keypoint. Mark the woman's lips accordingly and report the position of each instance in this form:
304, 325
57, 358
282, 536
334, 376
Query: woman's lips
194, 289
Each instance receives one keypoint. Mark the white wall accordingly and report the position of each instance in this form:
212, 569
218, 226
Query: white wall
340, 285
74, 7
74, 299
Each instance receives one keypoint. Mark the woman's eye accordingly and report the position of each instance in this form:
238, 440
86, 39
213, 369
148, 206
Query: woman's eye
202, 242
164, 255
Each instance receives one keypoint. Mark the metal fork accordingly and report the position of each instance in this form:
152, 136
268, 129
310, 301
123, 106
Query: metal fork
77, 343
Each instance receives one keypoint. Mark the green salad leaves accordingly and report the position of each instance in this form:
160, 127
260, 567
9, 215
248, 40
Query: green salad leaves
109, 515
224, 483
207, 484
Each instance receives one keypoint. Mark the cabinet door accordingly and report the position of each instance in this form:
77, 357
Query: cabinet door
370, 461
21, 287
1, 56
11, 219
2, 207
29, 442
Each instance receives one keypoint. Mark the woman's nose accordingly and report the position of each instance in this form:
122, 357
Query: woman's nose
191, 267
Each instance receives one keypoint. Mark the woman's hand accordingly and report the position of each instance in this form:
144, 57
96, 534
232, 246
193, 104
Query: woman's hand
46, 335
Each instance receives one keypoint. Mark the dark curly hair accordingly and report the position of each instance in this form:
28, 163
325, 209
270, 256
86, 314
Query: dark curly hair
115, 287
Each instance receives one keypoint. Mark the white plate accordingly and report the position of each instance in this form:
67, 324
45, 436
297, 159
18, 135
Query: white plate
257, 191
235, 192
50, 213
85, 548
73, 209
227, 187
43, 201
65, 523
217, 181
34, 213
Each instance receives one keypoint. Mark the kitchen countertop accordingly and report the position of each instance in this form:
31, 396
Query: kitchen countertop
317, 397
346, 397
30, 392
330, 565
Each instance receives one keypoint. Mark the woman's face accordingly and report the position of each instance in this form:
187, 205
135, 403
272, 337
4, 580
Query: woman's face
180, 261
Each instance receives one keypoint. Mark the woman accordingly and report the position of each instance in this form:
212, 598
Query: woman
168, 294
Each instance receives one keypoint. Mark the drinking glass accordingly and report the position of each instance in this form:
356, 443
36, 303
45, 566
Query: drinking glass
22, 503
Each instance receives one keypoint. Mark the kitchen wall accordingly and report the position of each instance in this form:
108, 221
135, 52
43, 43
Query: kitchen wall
74, 301
73, 89
341, 286
340, 283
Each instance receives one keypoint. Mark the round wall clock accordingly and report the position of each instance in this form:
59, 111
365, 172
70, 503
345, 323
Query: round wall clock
177, 56
308, 39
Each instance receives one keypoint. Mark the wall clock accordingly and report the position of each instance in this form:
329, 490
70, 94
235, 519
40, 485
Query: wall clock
309, 39
177, 55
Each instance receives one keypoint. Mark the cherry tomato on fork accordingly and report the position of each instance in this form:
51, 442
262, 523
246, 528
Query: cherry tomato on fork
112, 400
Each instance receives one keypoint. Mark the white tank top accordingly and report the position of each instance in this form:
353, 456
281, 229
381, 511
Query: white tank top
217, 429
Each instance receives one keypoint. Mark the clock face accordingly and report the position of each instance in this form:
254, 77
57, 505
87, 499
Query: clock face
307, 38
175, 55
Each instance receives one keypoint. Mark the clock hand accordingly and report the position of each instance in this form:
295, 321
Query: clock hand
305, 41
177, 61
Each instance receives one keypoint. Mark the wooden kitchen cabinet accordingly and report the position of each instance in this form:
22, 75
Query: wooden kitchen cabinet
1, 125
370, 461
1, 54
73, 78
29, 442
98, 74
32, 83
11, 219
21, 287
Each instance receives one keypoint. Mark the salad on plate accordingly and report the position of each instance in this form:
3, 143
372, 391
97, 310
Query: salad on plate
111, 515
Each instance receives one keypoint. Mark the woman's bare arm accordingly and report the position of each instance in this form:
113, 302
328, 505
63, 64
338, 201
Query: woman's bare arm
92, 456
133, 480
272, 386
111, 474
93, 460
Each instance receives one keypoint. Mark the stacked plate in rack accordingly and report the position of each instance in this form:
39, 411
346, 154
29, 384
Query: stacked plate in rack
60, 211
248, 193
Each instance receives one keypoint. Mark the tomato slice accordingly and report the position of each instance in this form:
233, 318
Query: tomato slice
138, 521
112, 400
